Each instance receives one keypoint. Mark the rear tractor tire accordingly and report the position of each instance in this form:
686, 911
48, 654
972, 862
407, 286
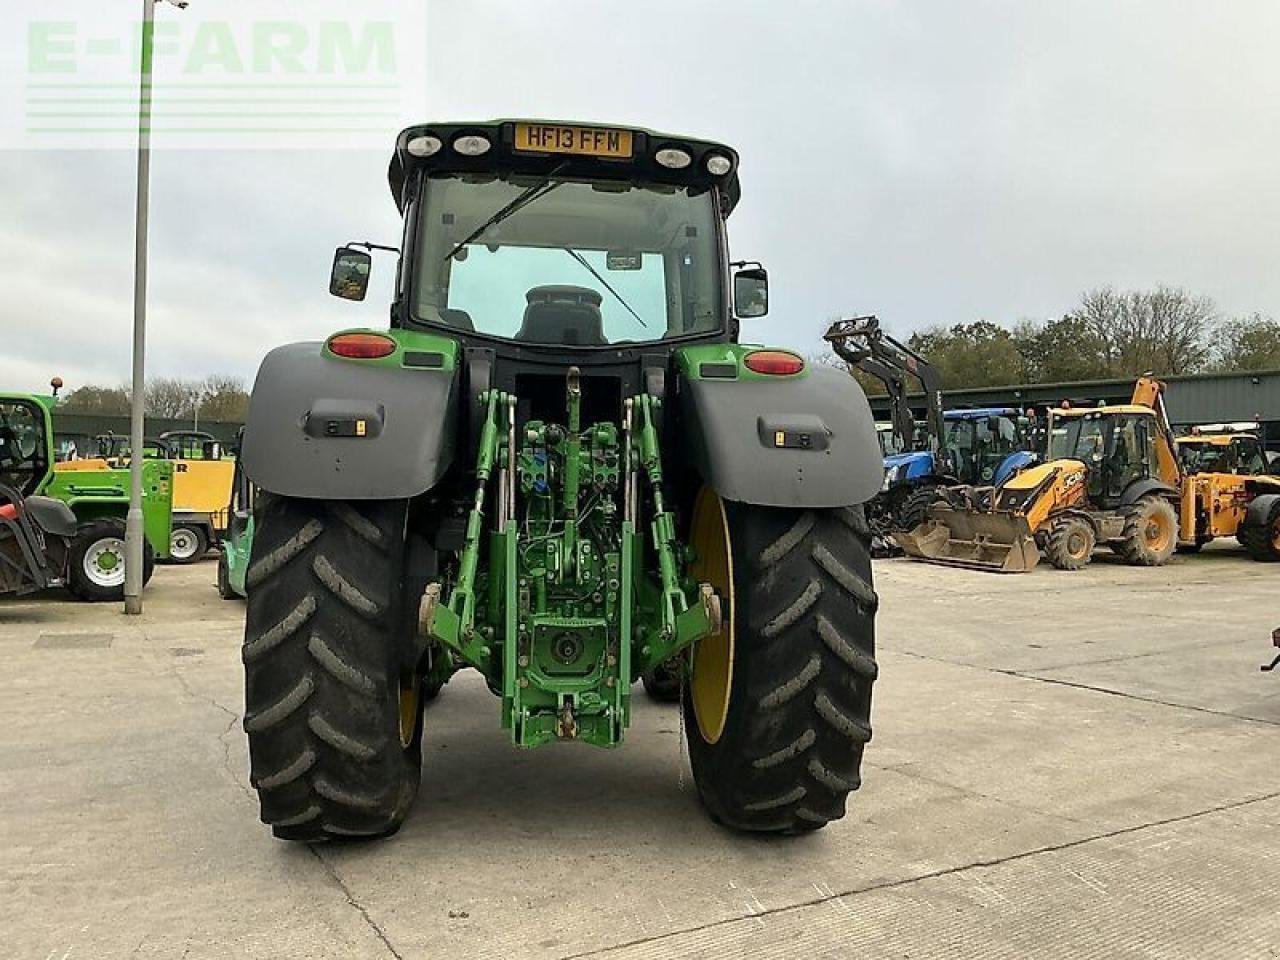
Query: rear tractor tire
335, 730
1262, 540
778, 708
1070, 542
1150, 532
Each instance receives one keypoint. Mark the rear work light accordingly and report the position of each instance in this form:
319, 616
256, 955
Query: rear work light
362, 346
778, 363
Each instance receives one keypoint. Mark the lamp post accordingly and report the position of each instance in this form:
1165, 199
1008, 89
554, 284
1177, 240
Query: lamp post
134, 543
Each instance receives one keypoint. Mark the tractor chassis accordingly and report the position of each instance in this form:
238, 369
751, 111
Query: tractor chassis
559, 624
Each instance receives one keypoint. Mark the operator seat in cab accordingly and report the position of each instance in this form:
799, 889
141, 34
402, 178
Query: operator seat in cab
563, 314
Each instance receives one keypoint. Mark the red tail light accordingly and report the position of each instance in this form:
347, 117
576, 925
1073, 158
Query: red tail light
362, 346
776, 363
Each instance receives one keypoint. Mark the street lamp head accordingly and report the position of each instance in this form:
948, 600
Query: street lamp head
180, 4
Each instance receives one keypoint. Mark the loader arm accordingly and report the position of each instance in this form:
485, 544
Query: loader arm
1149, 392
860, 341
900, 415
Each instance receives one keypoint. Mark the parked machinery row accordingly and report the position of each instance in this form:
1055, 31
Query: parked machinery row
1113, 476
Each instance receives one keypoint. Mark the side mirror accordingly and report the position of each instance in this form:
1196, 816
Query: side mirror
751, 292
349, 278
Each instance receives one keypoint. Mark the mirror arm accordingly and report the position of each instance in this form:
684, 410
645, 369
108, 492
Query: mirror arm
374, 246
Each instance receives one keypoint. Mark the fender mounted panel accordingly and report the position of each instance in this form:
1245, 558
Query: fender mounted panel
327, 428
783, 442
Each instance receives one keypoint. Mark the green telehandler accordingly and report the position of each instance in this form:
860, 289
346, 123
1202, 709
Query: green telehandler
237, 543
558, 467
97, 495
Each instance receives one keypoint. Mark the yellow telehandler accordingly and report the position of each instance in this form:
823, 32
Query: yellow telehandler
1112, 475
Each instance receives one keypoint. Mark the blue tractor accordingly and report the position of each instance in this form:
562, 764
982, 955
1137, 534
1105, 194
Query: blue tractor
983, 447
978, 447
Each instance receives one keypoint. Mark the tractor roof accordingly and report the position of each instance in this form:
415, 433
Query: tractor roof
1114, 408
45, 400
569, 149
980, 413
1214, 439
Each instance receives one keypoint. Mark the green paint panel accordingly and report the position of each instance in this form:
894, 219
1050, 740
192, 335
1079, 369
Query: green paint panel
94, 494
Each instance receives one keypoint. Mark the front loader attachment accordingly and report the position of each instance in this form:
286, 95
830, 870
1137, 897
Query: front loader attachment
977, 539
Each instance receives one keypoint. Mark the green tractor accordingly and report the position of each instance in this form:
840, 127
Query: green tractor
99, 498
236, 545
558, 467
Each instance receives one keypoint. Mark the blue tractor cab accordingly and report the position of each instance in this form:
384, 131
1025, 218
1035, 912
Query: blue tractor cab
987, 445
984, 447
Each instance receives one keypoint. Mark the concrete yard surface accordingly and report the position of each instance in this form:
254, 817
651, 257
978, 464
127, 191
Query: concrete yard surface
1064, 765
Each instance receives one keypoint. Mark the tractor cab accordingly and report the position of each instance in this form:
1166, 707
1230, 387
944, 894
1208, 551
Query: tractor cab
1117, 445
535, 237
114, 448
1206, 450
981, 444
191, 445
26, 444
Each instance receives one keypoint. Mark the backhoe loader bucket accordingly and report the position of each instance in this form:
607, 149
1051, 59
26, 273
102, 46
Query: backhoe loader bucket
976, 539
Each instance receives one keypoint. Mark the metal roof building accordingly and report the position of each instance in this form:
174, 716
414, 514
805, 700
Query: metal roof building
79, 429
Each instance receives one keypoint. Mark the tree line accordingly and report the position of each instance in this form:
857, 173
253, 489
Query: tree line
1110, 334
215, 397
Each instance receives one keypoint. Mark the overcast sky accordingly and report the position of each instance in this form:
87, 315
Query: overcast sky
932, 162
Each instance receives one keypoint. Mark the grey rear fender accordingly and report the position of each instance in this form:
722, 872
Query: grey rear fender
327, 428
797, 441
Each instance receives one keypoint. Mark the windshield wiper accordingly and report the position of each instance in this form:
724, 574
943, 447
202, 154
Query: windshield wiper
526, 197
595, 273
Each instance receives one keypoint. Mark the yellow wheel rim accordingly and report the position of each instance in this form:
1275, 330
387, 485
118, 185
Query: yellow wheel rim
713, 656
1158, 532
410, 705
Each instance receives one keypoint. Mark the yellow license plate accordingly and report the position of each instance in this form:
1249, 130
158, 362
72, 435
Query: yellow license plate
583, 141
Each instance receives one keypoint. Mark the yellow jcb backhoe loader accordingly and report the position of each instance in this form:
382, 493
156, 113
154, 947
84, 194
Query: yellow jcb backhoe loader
1112, 476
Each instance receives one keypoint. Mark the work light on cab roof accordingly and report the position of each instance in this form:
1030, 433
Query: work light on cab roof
532, 148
